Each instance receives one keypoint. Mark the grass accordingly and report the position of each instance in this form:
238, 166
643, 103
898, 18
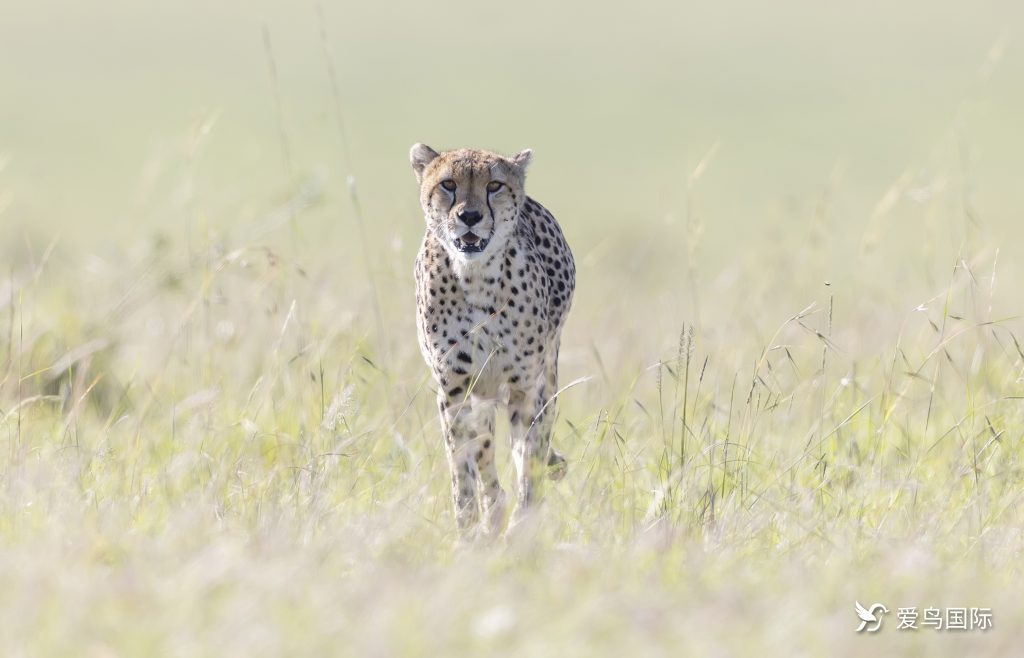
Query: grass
804, 383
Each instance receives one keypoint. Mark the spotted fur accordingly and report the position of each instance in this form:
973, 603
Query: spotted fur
494, 283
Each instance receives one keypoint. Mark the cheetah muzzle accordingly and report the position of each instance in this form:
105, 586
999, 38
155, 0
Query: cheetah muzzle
494, 283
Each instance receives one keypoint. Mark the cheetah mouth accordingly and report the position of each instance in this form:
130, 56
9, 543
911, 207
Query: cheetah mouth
470, 243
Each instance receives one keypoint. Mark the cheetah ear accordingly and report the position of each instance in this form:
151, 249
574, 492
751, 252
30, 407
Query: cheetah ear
420, 155
522, 159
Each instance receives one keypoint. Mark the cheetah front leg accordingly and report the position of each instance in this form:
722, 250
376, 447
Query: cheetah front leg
458, 425
530, 417
493, 496
468, 424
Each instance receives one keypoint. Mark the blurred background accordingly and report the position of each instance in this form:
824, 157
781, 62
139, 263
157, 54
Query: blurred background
122, 119
856, 141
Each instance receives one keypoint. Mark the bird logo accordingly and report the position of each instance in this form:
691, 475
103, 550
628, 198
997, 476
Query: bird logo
872, 615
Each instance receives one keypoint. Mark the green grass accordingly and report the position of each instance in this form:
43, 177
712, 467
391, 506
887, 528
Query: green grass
797, 321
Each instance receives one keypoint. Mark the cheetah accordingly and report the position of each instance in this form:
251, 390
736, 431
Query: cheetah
494, 283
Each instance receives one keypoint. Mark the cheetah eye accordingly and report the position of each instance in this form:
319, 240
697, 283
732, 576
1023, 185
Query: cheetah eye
448, 184
493, 186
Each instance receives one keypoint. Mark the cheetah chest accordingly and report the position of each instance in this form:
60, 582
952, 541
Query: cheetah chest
490, 324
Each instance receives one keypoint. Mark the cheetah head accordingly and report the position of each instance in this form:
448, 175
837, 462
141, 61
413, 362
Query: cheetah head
471, 198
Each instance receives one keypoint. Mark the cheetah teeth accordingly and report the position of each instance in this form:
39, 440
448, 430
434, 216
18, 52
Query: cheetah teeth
467, 248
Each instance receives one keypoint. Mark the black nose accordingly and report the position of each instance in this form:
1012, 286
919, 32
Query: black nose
470, 217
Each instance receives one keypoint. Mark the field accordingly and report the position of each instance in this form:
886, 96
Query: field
794, 364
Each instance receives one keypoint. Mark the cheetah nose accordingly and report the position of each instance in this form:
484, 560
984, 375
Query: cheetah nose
470, 217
